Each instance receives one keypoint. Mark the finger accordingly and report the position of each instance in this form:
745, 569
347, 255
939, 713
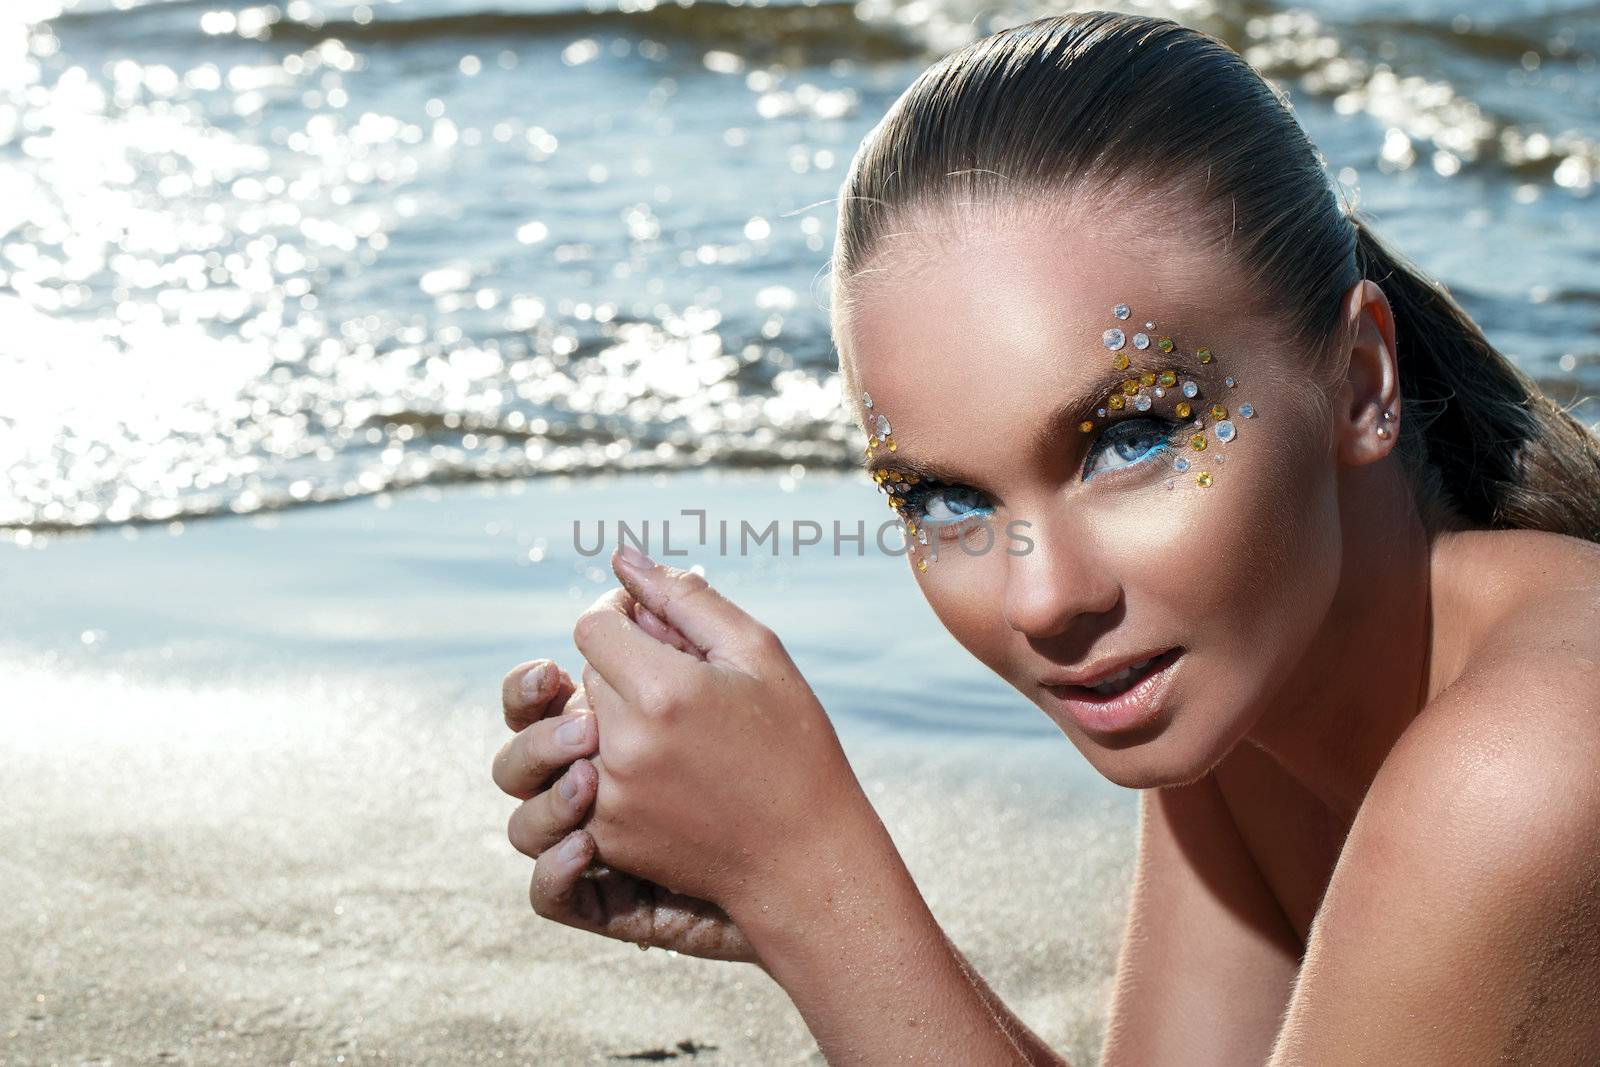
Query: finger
622, 653
601, 695
526, 763
661, 630
715, 625
557, 878
541, 820
532, 690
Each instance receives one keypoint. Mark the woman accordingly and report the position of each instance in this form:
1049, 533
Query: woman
1307, 561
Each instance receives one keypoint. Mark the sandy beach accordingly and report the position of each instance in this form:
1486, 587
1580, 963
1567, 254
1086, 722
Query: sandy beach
247, 817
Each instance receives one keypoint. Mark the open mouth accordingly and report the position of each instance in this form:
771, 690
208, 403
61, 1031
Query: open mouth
1131, 675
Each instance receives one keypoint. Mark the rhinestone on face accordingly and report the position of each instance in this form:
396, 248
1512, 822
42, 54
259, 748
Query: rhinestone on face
1149, 325
1115, 403
1100, 412
890, 442
1203, 479
1247, 411
1121, 311
1203, 355
1147, 379
922, 535
1218, 411
1180, 465
1141, 341
1142, 402
1228, 382
1160, 392
1191, 390
1168, 378
1120, 361
1224, 431
1198, 442
866, 399
922, 564
1166, 345
1130, 386
1086, 425
1183, 410
882, 426
1113, 339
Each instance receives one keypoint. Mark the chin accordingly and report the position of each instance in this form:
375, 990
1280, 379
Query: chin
1165, 759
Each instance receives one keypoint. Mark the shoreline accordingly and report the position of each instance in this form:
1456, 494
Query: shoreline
249, 808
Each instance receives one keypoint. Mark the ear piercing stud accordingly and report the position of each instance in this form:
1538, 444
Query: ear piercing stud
1383, 431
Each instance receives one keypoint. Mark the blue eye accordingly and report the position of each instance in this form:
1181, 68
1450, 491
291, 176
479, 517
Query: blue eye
1127, 444
932, 503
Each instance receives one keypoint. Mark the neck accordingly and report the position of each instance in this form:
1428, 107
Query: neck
1367, 674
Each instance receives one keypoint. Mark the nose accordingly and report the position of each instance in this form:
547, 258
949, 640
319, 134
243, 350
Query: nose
1059, 582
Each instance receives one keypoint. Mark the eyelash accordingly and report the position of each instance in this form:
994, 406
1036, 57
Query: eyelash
1170, 430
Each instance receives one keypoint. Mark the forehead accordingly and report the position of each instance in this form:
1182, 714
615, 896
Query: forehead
967, 307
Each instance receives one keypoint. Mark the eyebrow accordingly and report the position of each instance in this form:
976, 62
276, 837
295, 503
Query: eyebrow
1062, 423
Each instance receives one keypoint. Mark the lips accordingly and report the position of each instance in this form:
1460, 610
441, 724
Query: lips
1110, 676
1115, 695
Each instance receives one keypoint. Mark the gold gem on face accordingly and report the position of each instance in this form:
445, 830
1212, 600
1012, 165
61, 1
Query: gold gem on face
1136, 391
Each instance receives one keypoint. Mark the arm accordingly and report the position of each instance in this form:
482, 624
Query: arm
852, 942
1207, 960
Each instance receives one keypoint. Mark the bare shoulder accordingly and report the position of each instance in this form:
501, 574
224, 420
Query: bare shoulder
1502, 768
1462, 922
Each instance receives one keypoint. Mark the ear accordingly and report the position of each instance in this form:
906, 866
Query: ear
1372, 378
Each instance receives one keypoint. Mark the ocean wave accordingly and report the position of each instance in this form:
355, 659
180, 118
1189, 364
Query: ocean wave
825, 29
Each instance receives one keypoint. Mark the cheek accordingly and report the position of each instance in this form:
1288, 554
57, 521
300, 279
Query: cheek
1264, 555
966, 594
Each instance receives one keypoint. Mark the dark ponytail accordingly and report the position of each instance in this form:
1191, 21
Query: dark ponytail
1106, 101
1484, 443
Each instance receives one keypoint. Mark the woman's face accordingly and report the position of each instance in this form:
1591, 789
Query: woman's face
1115, 540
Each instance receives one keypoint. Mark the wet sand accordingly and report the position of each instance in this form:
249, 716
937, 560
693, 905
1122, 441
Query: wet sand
246, 814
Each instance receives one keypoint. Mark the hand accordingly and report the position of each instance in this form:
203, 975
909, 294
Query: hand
719, 772
539, 699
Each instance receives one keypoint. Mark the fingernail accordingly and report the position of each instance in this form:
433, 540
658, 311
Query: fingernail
572, 847
635, 560
568, 786
533, 681
573, 732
